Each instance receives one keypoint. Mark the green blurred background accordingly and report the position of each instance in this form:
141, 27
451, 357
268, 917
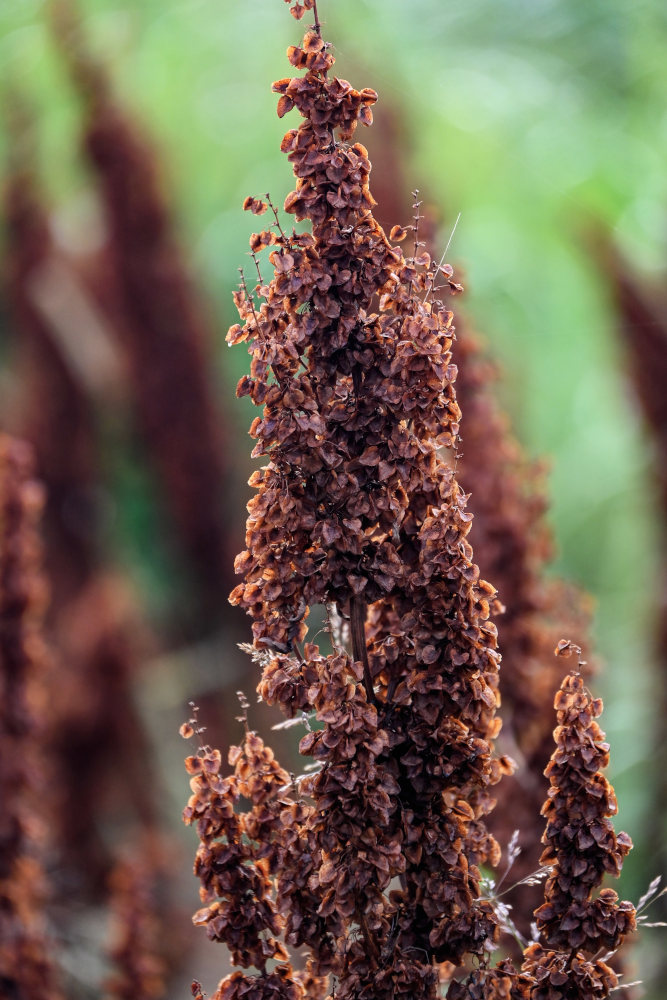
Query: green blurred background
542, 122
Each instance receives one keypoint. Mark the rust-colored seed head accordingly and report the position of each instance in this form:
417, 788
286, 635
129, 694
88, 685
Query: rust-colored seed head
27, 971
581, 847
370, 860
580, 842
354, 509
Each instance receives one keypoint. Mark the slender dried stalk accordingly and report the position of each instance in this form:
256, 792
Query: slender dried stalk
163, 328
370, 860
26, 967
581, 847
95, 735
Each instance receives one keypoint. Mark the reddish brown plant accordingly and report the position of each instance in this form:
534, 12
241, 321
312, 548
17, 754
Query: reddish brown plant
357, 512
137, 944
581, 848
370, 860
95, 733
27, 970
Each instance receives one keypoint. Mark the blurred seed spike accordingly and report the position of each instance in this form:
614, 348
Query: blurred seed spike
641, 317
95, 734
27, 966
137, 936
163, 329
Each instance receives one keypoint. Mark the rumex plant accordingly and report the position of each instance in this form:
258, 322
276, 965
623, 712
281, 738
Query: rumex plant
370, 860
513, 546
160, 323
576, 930
26, 966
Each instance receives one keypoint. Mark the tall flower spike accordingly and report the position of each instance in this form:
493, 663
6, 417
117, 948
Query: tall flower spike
26, 969
139, 965
355, 510
513, 546
161, 322
581, 847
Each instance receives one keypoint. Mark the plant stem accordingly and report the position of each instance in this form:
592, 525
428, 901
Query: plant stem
358, 610
317, 26
368, 937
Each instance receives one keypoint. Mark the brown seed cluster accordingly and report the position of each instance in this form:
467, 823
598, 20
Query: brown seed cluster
26, 968
559, 976
238, 853
513, 547
582, 848
580, 840
371, 858
501, 983
356, 511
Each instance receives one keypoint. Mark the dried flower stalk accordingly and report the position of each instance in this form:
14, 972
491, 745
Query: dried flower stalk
581, 847
26, 968
351, 359
369, 861
162, 326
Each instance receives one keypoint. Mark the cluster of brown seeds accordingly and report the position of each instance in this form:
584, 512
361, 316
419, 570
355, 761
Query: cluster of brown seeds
580, 840
372, 857
356, 511
26, 968
513, 547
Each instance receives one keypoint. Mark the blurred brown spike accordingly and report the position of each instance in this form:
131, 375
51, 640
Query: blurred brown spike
95, 734
641, 313
642, 322
137, 935
59, 418
163, 328
26, 969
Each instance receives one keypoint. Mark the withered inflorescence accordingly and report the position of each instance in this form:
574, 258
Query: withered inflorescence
355, 510
370, 859
581, 847
513, 547
27, 971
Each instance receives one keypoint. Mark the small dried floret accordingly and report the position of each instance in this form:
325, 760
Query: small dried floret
398, 233
255, 205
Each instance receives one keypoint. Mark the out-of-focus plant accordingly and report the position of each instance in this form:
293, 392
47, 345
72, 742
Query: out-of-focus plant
160, 321
27, 970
